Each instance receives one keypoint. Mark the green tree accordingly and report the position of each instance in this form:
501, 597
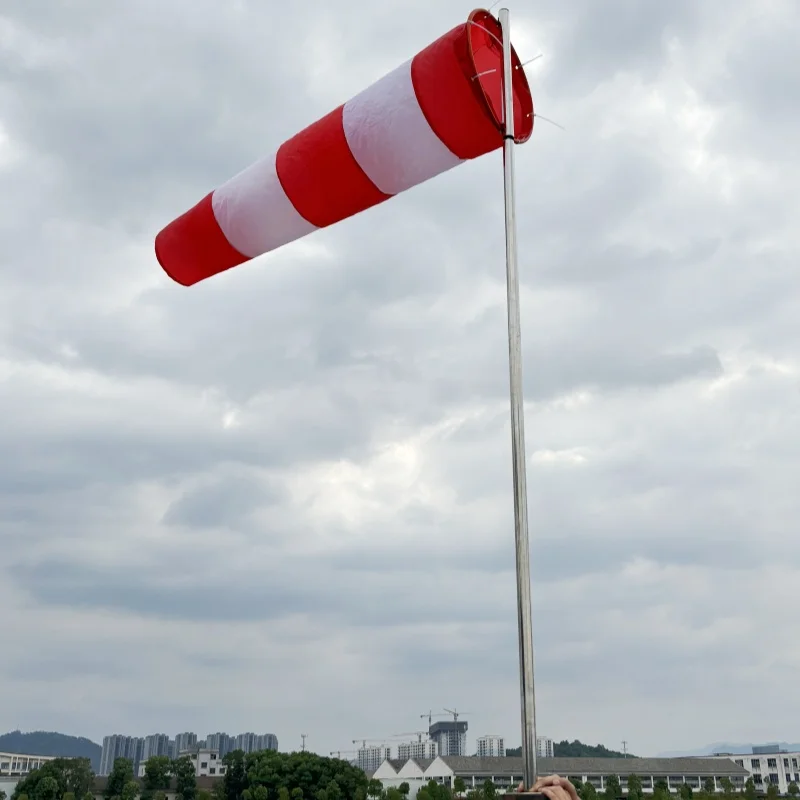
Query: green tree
160, 796
588, 792
130, 791
67, 796
613, 789
459, 787
403, 788
424, 794
78, 776
750, 789
635, 790
709, 786
47, 789
186, 778
374, 788
297, 793
661, 790
156, 776
121, 773
489, 790
204, 794
392, 793
727, 788
793, 789
772, 792
260, 793
235, 780
2, 795
70, 774
22, 797
685, 791
88, 796
283, 793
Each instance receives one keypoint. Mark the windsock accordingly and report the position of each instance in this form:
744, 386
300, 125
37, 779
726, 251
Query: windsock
441, 108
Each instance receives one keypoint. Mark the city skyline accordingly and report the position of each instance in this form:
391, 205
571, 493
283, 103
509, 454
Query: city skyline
139, 749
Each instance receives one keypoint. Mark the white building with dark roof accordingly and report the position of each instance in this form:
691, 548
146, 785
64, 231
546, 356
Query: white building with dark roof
506, 773
768, 765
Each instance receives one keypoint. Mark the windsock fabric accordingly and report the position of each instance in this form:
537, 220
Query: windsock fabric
439, 109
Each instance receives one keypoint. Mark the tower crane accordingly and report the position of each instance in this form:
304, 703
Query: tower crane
429, 716
456, 714
418, 734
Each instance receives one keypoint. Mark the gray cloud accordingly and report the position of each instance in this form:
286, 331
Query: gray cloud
289, 489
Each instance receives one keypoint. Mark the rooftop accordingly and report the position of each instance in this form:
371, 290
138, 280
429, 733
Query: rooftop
496, 765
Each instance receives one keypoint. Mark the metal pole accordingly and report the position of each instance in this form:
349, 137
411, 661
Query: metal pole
524, 613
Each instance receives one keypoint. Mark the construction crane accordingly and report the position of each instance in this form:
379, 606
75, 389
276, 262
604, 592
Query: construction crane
429, 716
456, 714
364, 741
339, 753
418, 734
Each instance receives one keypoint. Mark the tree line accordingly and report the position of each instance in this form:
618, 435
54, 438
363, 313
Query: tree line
266, 775
635, 790
576, 749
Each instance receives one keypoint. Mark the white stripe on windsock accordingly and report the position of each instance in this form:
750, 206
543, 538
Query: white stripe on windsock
254, 212
389, 137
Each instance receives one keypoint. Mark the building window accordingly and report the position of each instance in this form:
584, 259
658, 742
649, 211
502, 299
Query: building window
740, 762
772, 762
755, 763
773, 778
786, 763
203, 764
213, 756
212, 771
757, 779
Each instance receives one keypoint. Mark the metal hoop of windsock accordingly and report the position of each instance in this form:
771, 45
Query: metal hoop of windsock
441, 108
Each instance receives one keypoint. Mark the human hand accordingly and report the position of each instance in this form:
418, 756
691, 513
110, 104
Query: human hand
553, 787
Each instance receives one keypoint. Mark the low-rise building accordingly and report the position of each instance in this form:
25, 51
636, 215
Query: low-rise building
506, 773
18, 765
207, 762
766, 765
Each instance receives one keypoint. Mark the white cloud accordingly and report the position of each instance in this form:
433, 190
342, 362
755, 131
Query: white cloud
289, 489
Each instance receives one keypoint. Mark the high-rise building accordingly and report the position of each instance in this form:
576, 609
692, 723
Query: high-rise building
220, 742
370, 758
246, 742
267, 741
254, 742
184, 742
544, 747
451, 737
158, 744
417, 750
119, 746
488, 746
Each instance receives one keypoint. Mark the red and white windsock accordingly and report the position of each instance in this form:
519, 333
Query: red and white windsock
441, 108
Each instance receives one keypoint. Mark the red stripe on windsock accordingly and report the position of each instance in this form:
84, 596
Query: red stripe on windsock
458, 82
321, 177
193, 247
450, 100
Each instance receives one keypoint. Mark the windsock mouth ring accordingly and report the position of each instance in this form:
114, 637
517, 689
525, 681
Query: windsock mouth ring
484, 37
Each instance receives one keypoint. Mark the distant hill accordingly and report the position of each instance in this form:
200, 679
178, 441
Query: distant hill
576, 749
48, 743
727, 747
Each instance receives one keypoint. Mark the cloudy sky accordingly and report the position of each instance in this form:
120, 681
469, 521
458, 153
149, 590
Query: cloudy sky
281, 500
